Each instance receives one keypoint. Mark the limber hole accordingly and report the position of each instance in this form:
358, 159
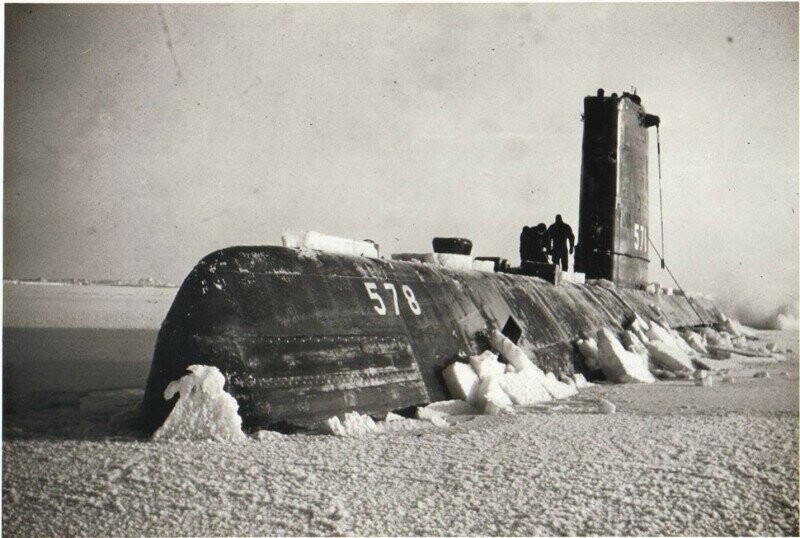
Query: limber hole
512, 330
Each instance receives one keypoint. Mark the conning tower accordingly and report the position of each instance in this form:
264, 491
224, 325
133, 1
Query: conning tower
614, 219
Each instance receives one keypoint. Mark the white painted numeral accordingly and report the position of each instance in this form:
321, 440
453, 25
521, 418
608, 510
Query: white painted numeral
380, 308
373, 294
640, 241
412, 301
390, 286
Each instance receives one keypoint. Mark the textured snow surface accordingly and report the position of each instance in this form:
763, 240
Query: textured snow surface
203, 410
674, 459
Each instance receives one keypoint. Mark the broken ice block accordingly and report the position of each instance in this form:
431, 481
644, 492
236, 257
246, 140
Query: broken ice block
588, 348
620, 365
487, 365
695, 341
669, 357
483, 265
490, 389
446, 408
460, 262
556, 388
510, 351
329, 243
462, 382
524, 388
605, 407
580, 381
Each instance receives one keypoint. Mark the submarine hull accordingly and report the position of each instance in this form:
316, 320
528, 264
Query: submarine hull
303, 335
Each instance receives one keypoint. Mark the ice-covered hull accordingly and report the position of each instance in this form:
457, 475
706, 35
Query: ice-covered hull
304, 335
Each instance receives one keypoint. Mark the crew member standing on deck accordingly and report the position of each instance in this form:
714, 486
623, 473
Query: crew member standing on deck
560, 233
525, 245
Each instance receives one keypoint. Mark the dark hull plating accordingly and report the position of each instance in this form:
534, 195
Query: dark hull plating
305, 335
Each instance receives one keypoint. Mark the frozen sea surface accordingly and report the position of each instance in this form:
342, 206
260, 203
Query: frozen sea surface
675, 459
60, 341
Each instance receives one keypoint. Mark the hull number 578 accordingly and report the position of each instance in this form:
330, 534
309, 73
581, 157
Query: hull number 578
381, 308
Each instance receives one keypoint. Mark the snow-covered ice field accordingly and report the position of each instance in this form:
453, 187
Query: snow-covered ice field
61, 340
674, 459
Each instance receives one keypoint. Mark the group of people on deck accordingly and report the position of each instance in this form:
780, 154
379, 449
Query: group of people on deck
537, 243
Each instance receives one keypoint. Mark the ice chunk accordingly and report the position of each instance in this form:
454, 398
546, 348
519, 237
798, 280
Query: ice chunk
497, 407
634, 344
487, 365
556, 388
575, 278
618, 364
718, 339
483, 265
353, 425
580, 381
605, 407
670, 357
203, 410
268, 435
588, 349
392, 417
695, 341
462, 382
491, 390
639, 324
732, 326
525, 388
682, 344
329, 243
659, 334
510, 351
446, 408
705, 381
460, 262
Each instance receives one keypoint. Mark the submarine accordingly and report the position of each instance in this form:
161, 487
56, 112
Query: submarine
302, 335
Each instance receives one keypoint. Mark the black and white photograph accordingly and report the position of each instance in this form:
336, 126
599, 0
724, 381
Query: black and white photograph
400, 269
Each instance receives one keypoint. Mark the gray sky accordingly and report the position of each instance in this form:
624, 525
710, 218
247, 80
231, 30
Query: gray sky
139, 138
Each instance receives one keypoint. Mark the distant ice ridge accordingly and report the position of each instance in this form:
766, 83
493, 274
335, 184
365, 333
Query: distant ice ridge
203, 410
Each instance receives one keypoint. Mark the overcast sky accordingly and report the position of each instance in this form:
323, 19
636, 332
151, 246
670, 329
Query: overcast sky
139, 138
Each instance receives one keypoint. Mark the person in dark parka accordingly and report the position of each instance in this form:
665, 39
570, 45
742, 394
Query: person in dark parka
560, 234
525, 253
540, 243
